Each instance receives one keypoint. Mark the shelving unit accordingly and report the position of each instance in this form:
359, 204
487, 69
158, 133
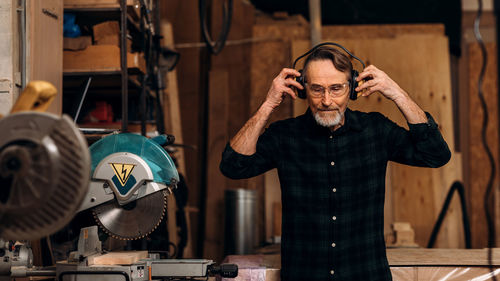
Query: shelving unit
115, 83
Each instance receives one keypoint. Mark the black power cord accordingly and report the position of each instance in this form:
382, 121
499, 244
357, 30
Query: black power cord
459, 187
488, 198
227, 13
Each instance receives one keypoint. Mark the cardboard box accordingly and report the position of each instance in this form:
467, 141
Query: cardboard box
107, 33
97, 58
77, 44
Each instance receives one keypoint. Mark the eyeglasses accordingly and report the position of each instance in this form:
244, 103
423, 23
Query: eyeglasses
335, 90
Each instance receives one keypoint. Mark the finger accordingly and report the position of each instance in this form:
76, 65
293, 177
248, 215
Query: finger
293, 82
285, 72
365, 85
367, 74
289, 92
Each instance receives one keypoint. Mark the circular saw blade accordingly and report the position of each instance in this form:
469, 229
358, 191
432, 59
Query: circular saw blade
134, 220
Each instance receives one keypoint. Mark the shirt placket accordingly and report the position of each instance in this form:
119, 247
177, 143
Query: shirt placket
333, 206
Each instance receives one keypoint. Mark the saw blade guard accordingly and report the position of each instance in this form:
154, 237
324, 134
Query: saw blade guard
158, 160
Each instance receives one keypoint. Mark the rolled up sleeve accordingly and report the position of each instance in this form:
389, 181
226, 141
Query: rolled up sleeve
235, 165
423, 145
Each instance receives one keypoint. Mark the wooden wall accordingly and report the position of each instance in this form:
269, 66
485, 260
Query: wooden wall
234, 83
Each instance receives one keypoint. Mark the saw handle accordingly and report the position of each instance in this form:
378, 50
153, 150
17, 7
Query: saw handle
37, 96
226, 270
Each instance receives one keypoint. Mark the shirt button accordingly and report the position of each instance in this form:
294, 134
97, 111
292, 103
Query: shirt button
331, 137
334, 218
331, 272
334, 189
333, 245
332, 163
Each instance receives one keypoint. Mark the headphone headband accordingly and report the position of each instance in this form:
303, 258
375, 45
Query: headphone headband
331, 44
353, 84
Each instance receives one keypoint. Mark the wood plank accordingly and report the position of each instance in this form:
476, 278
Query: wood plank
113, 258
418, 193
452, 257
45, 45
97, 58
171, 106
186, 25
277, 217
478, 164
218, 112
173, 125
377, 31
272, 199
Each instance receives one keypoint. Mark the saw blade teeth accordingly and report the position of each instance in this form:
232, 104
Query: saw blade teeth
139, 235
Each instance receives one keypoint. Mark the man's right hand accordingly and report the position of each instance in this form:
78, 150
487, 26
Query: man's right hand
282, 86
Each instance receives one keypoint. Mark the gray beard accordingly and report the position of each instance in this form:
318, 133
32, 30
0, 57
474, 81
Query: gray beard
327, 121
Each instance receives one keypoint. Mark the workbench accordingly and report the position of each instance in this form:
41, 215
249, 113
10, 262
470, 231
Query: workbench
414, 264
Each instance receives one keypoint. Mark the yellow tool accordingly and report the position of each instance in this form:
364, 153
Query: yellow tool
37, 96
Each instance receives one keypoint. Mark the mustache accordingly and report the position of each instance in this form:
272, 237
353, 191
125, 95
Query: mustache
329, 109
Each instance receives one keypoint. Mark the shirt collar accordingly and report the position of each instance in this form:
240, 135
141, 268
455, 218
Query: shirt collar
352, 122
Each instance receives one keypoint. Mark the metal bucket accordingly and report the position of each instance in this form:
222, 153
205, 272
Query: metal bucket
240, 222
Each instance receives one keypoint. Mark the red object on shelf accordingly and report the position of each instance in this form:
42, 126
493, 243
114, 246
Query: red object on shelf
102, 113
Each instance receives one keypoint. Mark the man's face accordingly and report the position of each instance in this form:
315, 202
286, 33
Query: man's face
328, 109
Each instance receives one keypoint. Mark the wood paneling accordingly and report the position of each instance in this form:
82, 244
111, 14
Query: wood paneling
45, 45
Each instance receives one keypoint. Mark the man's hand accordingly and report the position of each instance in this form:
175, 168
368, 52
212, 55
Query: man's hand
281, 87
378, 81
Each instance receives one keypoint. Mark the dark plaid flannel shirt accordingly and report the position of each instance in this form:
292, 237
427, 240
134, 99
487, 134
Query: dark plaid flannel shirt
332, 188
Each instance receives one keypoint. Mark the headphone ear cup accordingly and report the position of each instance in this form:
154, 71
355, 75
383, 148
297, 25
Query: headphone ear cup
301, 93
353, 84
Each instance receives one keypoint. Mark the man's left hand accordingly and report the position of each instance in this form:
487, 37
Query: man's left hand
378, 81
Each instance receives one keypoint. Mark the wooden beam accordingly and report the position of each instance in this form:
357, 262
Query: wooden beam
173, 125
186, 29
216, 183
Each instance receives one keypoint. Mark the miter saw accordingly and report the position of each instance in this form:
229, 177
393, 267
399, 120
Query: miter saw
131, 178
47, 175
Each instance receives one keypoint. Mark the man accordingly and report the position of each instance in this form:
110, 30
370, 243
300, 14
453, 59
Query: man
331, 164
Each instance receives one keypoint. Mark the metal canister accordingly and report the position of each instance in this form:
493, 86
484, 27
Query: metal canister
240, 221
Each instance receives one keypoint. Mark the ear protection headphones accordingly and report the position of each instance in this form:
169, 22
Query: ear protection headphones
353, 84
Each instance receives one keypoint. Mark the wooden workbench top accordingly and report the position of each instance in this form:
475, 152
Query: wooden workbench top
441, 257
